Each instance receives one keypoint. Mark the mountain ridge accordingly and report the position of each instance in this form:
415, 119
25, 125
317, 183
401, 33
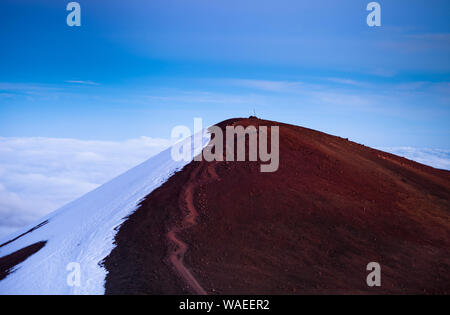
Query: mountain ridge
311, 227
224, 227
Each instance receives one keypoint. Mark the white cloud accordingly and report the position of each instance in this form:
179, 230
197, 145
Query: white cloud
433, 157
266, 85
39, 175
82, 82
347, 81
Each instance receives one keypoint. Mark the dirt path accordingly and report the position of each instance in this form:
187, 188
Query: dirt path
176, 255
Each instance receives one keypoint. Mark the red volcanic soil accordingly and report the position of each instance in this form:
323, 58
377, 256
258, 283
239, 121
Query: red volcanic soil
311, 227
8, 263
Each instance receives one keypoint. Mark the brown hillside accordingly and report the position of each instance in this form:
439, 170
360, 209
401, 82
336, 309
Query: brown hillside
332, 207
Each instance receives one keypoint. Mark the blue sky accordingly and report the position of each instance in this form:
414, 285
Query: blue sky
138, 68
80, 105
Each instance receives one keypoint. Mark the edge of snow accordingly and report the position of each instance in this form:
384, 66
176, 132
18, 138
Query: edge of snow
83, 231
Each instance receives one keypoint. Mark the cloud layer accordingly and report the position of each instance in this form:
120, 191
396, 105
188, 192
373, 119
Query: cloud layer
433, 157
39, 175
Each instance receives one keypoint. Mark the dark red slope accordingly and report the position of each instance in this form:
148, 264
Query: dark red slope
9, 262
311, 227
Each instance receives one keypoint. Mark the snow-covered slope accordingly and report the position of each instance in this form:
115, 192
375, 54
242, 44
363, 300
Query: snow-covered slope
83, 232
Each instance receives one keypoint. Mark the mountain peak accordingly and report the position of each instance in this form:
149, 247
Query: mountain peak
331, 208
